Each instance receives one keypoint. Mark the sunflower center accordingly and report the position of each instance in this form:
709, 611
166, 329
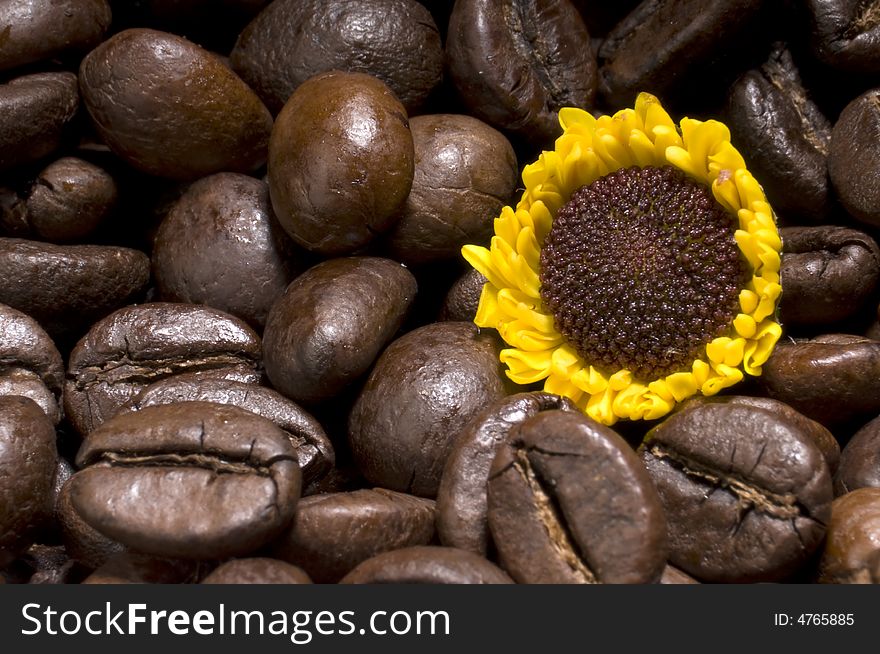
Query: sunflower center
640, 271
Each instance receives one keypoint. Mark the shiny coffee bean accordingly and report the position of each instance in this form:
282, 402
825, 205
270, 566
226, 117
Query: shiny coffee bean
314, 451
292, 40
852, 547
332, 322
257, 571
747, 494
35, 111
465, 172
214, 123
662, 44
83, 543
846, 34
220, 245
36, 30
516, 63
831, 379
860, 460
462, 499
30, 364
423, 390
463, 297
427, 565
784, 138
569, 502
333, 533
68, 200
192, 480
133, 568
854, 158
340, 162
138, 345
27, 470
829, 273
68, 287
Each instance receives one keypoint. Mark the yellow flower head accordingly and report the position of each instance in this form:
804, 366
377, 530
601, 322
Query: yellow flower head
640, 267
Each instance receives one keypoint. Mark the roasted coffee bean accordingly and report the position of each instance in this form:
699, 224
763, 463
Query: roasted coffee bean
747, 493
314, 451
189, 480
340, 162
330, 324
854, 158
35, 111
846, 33
172, 109
829, 273
427, 565
831, 379
672, 575
257, 571
852, 553
30, 364
133, 568
465, 172
569, 502
83, 542
821, 437
292, 40
51, 565
515, 63
860, 460
333, 533
784, 137
68, 287
462, 499
68, 200
138, 345
36, 30
463, 297
423, 390
662, 44
221, 245
27, 471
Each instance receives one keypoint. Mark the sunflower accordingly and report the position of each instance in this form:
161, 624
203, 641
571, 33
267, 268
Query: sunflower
640, 266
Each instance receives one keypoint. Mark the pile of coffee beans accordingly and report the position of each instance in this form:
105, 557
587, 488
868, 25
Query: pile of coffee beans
236, 332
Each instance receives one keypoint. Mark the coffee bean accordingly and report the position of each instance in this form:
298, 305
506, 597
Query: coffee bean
829, 273
333, 533
462, 499
214, 122
672, 575
569, 502
465, 172
851, 553
257, 571
292, 40
427, 565
330, 324
831, 379
846, 34
784, 137
138, 345
35, 111
860, 460
30, 364
83, 543
515, 64
67, 287
68, 200
314, 451
51, 565
423, 390
190, 480
854, 158
27, 471
43, 29
133, 568
340, 162
221, 245
747, 494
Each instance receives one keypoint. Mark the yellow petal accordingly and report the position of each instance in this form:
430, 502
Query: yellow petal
526, 367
